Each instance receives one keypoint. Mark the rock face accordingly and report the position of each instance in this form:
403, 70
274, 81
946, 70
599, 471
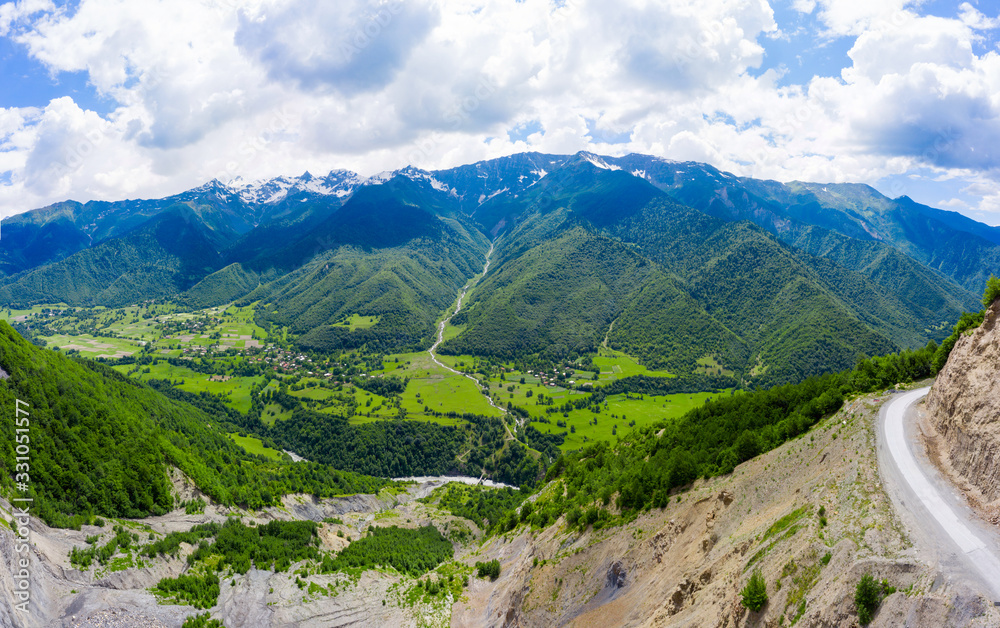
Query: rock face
963, 409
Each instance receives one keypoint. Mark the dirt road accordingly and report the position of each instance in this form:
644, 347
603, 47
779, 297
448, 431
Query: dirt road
967, 548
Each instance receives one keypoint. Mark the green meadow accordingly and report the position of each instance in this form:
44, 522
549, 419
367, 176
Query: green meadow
436, 388
235, 392
91, 347
356, 321
615, 365
585, 426
256, 446
10, 314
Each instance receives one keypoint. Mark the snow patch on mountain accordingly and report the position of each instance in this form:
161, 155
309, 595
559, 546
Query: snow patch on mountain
483, 198
600, 163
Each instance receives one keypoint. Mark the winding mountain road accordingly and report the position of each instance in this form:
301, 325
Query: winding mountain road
442, 324
934, 510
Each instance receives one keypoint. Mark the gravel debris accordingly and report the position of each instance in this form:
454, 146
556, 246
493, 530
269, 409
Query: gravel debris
116, 618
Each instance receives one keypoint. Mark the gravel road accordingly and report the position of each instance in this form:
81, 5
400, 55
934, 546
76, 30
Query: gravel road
943, 525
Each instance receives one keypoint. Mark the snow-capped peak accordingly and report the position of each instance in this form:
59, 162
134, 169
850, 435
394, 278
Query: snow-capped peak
338, 183
598, 162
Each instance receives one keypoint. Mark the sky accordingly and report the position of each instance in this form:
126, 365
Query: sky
116, 99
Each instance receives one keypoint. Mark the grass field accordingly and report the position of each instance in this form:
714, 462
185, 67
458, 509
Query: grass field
235, 391
616, 415
9, 314
585, 426
709, 365
431, 388
450, 331
437, 388
273, 412
370, 407
91, 347
255, 446
356, 321
615, 364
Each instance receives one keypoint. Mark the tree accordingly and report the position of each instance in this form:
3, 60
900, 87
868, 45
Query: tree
489, 569
754, 594
867, 596
992, 291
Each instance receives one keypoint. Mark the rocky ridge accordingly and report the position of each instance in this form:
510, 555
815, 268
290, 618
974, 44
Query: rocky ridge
963, 416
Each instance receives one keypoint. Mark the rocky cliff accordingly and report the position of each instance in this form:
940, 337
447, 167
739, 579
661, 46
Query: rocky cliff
963, 410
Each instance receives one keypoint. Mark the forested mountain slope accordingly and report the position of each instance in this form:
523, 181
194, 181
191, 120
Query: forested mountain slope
101, 444
597, 253
398, 252
168, 254
676, 263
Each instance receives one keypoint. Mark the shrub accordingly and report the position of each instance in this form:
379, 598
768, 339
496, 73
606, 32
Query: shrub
754, 594
489, 569
867, 596
199, 591
408, 551
202, 621
992, 291
966, 323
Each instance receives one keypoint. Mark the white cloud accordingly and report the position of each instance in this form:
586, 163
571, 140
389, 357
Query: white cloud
202, 89
974, 19
854, 17
804, 6
348, 46
13, 12
955, 203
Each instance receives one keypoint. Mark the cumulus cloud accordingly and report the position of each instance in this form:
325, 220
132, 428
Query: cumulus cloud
220, 88
13, 12
349, 47
925, 94
854, 17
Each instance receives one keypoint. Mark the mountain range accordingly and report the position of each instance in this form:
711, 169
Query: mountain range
679, 264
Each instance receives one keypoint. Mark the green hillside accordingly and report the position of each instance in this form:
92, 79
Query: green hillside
673, 287
966, 253
172, 252
102, 444
797, 314
405, 287
562, 296
221, 287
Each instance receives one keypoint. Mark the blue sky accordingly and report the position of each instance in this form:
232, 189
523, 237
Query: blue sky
111, 99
